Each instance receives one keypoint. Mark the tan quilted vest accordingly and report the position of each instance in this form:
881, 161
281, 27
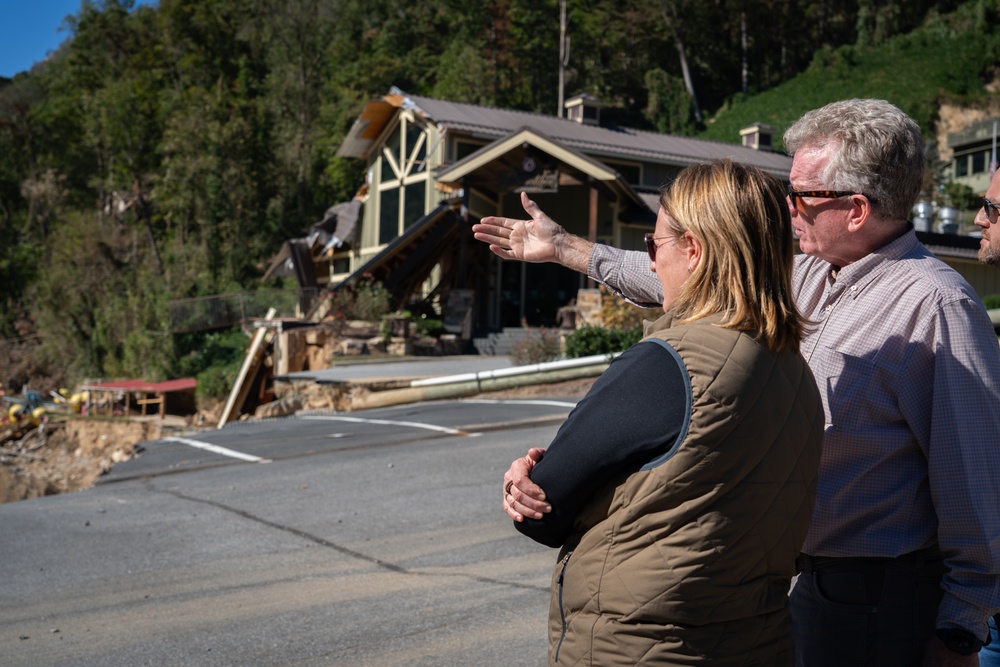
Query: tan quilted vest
690, 561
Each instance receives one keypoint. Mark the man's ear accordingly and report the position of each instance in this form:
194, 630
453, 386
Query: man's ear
860, 214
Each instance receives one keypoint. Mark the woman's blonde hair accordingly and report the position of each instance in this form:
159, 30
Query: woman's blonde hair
739, 215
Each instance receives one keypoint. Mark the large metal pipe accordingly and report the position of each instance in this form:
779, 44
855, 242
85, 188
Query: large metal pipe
518, 371
476, 384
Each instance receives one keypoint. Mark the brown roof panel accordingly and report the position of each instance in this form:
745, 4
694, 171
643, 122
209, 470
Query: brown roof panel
489, 122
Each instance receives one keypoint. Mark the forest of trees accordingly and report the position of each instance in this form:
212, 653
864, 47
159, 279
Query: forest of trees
167, 151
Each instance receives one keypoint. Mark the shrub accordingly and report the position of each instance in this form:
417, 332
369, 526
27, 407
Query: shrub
427, 326
991, 301
538, 346
616, 313
214, 358
366, 300
589, 340
217, 381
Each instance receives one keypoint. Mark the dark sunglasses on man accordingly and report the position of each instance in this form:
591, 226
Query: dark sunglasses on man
821, 194
992, 210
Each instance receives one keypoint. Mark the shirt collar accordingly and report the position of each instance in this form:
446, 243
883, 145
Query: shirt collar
866, 269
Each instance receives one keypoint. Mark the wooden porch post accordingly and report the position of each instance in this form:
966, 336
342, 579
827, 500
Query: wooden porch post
592, 234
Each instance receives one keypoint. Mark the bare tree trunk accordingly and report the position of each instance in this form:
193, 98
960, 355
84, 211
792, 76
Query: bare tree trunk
746, 48
142, 209
675, 28
563, 57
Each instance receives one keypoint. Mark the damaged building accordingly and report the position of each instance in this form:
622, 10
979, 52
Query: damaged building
435, 167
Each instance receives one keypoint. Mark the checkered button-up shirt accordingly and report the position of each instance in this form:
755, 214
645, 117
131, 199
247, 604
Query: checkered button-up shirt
908, 365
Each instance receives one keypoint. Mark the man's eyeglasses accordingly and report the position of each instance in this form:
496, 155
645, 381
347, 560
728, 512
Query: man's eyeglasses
651, 245
822, 194
992, 210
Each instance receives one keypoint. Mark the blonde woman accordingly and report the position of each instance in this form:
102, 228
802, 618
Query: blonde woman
680, 488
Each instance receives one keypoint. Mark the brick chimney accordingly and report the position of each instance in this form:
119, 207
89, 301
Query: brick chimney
757, 136
584, 109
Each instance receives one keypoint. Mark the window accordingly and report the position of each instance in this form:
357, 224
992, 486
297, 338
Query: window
464, 149
632, 173
341, 265
961, 165
979, 162
403, 179
417, 145
414, 208
388, 219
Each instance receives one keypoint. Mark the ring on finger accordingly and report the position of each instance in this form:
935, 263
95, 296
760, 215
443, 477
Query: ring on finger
507, 488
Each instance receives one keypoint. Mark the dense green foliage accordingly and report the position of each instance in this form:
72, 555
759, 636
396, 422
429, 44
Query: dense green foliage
950, 57
166, 152
589, 340
213, 358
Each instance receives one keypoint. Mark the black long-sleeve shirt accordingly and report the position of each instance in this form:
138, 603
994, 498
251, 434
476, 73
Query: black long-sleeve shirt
633, 416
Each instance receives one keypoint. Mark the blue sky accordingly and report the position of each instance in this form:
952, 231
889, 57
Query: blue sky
29, 30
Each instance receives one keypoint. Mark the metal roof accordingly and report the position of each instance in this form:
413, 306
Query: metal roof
180, 384
950, 245
621, 142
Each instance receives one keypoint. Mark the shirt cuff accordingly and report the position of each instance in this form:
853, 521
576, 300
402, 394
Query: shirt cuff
954, 613
619, 270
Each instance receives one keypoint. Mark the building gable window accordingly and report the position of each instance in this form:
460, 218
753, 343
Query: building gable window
402, 198
464, 149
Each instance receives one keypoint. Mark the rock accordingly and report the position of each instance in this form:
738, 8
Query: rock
282, 408
350, 347
400, 347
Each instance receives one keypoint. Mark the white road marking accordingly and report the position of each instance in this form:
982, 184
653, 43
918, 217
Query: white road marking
387, 422
496, 401
218, 450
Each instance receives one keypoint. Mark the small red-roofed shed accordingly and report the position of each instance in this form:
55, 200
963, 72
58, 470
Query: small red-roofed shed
175, 397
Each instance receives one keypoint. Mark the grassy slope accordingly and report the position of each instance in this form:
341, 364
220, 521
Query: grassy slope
950, 57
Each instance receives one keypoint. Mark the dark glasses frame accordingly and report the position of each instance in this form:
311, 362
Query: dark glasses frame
987, 206
822, 194
651, 244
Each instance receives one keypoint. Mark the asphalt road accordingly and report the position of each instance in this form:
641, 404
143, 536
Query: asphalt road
369, 539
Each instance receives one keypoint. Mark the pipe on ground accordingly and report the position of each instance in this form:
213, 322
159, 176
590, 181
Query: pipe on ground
476, 383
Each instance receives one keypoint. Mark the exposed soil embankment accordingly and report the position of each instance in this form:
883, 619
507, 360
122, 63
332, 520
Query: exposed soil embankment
70, 455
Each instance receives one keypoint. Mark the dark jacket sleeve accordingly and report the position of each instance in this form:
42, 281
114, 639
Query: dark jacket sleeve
634, 414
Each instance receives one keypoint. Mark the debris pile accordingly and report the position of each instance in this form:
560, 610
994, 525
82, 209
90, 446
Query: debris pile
60, 456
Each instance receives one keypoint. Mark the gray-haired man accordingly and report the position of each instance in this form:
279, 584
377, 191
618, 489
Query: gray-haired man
902, 562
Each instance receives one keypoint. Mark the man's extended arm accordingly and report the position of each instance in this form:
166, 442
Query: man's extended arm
541, 239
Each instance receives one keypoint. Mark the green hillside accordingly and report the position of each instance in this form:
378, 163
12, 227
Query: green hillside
951, 57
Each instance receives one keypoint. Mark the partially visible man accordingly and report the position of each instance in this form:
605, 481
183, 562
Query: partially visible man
901, 565
989, 253
989, 246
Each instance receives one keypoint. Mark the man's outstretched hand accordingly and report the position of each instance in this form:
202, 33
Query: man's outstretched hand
539, 239
534, 240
